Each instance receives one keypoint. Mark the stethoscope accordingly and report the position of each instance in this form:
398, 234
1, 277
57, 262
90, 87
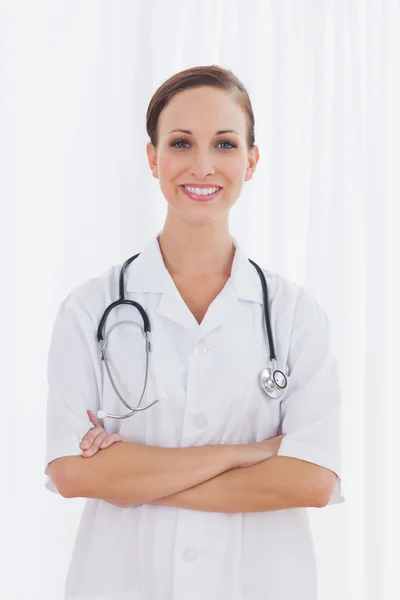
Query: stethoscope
272, 380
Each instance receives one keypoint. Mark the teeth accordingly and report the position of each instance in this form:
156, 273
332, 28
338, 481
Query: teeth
201, 191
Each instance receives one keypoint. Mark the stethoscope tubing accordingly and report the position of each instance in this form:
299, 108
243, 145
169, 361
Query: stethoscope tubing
273, 381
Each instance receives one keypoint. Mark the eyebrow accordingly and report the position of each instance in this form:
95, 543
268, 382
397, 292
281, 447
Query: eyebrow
219, 132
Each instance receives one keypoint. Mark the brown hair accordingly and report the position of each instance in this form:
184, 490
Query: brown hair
213, 76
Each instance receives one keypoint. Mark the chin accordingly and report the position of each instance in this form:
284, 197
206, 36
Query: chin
203, 219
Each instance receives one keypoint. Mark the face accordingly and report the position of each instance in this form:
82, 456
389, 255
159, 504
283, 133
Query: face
202, 158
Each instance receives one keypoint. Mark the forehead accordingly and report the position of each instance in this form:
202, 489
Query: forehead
202, 109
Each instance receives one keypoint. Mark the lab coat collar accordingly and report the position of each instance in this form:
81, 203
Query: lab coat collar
148, 273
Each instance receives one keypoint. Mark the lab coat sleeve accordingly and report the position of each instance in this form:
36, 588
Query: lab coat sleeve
310, 411
74, 381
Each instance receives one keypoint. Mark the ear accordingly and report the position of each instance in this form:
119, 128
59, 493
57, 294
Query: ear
254, 155
152, 158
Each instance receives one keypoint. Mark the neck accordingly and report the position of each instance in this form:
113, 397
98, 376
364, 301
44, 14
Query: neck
197, 252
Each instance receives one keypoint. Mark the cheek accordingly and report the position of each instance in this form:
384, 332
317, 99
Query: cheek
169, 166
169, 171
234, 170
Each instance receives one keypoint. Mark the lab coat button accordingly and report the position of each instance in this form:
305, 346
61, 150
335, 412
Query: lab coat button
200, 421
189, 555
200, 350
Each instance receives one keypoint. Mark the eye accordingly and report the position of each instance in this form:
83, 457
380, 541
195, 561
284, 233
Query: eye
174, 144
232, 145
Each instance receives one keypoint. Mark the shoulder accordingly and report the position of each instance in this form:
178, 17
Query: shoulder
292, 298
88, 299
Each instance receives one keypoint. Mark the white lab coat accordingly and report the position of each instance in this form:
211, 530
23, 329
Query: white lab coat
210, 373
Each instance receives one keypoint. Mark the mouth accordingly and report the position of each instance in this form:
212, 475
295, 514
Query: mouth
198, 197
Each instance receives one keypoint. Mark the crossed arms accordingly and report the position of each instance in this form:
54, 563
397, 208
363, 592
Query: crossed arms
203, 478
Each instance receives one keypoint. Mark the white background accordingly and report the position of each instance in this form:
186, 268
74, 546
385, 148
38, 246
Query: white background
323, 210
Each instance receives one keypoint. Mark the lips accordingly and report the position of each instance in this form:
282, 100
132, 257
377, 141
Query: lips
198, 198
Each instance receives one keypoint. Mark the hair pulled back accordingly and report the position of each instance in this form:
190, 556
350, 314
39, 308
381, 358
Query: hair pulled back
213, 76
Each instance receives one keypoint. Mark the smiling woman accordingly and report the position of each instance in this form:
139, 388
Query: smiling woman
192, 478
201, 128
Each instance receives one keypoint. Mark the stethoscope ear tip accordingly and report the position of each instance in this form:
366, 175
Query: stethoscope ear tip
101, 414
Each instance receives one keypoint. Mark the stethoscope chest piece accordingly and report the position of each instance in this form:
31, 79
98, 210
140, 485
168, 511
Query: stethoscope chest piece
273, 382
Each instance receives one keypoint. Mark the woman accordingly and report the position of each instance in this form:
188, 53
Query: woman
205, 495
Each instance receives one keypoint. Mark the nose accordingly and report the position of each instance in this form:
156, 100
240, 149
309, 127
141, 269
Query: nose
202, 166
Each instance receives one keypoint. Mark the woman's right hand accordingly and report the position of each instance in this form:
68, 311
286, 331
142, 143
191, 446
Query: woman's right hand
247, 455
97, 439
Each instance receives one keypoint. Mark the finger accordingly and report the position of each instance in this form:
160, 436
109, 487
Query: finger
93, 418
90, 437
96, 444
109, 440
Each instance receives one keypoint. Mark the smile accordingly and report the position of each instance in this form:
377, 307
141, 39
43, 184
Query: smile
200, 197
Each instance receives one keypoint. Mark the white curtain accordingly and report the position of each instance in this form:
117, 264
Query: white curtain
323, 210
